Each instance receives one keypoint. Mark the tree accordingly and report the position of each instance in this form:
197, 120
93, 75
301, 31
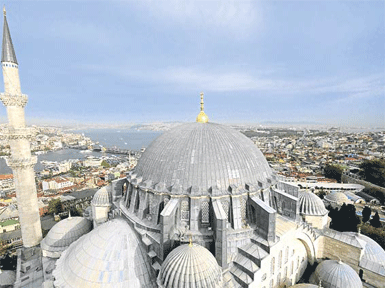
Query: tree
373, 171
321, 193
105, 164
375, 221
55, 206
344, 219
333, 171
366, 212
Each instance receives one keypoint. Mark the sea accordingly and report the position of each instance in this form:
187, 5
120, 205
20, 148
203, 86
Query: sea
131, 139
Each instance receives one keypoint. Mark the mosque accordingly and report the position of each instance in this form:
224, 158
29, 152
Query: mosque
201, 209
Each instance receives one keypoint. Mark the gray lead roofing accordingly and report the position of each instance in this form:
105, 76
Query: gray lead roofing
8, 52
197, 156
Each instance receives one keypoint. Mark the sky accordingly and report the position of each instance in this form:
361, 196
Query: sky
146, 61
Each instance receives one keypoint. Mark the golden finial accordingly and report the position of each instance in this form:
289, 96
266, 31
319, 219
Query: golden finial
191, 243
5, 12
202, 117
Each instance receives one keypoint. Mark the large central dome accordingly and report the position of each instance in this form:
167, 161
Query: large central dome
203, 155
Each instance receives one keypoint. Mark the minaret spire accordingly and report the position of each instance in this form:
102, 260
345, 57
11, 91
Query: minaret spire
202, 117
8, 52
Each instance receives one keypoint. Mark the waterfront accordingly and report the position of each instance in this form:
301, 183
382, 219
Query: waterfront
131, 139
124, 139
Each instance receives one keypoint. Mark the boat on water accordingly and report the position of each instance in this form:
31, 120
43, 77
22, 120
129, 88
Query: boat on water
86, 151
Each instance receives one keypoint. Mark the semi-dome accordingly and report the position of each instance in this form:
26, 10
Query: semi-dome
64, 233
190, 266
109, 256
373, 254
338, 198
102, 197
197, 156
335, 274
311, 204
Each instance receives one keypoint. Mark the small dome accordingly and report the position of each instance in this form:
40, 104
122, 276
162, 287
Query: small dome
190, 266
102, 197
335, 274
64, 233
337, 197
109, 256
373, 252
7, 278
311, 204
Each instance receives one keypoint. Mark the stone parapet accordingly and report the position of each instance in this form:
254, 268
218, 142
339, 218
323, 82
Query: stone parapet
14, 100
22, 163
17, 133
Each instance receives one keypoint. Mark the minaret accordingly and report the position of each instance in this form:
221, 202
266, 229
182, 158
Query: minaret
19, 136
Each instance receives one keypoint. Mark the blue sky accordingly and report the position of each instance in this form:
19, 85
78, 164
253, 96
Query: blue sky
145, 61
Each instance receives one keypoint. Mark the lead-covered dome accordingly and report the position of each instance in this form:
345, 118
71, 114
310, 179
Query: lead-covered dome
338, 198
110, 256
203, 155
190, 266
335, 274
63, 234
311, 204
102, 197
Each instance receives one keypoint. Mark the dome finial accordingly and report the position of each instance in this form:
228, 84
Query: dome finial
191, 243
5, 12
202, 117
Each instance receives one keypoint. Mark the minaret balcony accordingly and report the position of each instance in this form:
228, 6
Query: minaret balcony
22, 163
14, 100
11, 133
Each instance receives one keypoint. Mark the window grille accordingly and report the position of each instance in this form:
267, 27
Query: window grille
205, 212
185, 211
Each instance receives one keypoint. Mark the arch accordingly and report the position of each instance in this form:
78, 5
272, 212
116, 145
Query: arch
309, 246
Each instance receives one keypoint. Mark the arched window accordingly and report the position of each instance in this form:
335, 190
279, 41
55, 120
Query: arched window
243, 208
205, 212
287, 254
280, 260
292, 268
166, 201
226, 206
185, 211
285, 273
279, 279
150, 203
361, 274
271, 283
272, 267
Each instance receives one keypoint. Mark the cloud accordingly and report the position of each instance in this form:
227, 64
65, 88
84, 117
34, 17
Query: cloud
237, 18
191, 78
82, 32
